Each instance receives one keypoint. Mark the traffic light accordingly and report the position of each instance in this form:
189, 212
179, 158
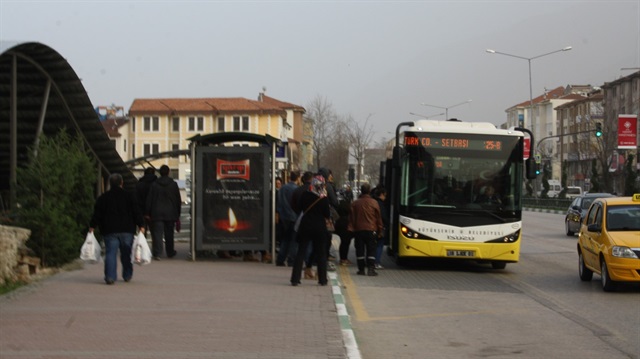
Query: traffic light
598, 129
537, 168
352, 174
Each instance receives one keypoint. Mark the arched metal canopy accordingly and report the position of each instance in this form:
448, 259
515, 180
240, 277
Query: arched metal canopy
40, 94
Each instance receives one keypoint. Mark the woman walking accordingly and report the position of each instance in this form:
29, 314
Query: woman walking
313, 228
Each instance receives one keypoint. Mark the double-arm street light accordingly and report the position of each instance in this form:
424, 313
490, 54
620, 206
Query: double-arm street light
446, 109
529, 61
426, 117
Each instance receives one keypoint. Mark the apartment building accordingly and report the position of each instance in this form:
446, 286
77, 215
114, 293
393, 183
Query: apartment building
157, 126
577, 145
541, 119
621, 97
563, 121
578, 119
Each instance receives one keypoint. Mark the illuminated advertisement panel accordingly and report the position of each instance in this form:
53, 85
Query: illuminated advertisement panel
627, 132
232, 198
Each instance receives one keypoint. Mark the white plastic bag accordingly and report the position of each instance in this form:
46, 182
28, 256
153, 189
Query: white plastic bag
91, 252
140, 251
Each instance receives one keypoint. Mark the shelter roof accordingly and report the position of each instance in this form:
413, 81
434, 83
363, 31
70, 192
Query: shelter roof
47, 88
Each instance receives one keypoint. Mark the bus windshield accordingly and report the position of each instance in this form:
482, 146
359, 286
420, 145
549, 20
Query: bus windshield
445, 180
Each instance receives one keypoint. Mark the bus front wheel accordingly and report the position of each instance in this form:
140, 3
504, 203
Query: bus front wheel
401, 261
498, 265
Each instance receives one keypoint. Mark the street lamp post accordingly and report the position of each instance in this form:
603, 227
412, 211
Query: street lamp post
530, 82
529, 61
446, 109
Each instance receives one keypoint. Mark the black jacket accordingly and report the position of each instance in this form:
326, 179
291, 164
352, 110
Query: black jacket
164, 201
313, 220
116, 211
142, 188
296, 195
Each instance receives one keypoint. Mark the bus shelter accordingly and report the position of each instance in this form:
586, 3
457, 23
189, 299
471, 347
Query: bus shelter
233, 192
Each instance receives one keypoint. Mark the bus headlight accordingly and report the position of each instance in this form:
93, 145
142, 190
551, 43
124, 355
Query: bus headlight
411, 234
510, 238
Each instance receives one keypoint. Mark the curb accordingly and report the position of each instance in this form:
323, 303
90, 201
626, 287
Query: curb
348, 337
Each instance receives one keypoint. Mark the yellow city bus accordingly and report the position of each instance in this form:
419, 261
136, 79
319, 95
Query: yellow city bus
456, 191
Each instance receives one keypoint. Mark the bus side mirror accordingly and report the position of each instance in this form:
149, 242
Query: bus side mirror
397, 153
530, 165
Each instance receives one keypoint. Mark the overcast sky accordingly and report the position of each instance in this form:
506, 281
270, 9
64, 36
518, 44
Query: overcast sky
378, 58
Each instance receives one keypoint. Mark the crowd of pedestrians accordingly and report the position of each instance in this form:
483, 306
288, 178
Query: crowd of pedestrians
317, 202
309, 211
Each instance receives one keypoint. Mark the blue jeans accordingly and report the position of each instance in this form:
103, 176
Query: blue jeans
288, 244
114, 242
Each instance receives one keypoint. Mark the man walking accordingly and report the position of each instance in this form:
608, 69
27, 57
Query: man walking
287, 219
163, 208
117, 214
365, 222
142, 189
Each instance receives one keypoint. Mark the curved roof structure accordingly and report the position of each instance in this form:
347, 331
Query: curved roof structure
41, 93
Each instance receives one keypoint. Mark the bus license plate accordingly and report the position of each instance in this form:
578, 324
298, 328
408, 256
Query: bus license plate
452, 253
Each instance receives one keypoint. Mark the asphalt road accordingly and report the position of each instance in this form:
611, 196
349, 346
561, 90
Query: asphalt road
537, 308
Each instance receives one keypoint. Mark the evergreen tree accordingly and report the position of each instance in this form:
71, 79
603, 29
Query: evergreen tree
563, 181
55, 192
529, 187
546, 172
595, 180
631, 177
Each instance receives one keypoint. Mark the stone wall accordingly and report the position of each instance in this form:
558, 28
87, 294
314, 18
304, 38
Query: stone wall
15, 263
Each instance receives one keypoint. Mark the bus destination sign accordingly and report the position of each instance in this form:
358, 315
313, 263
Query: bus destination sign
451, 142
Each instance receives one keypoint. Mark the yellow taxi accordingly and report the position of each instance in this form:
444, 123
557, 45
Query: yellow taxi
609, 241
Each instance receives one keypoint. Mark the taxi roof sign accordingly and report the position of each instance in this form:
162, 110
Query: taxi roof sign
636, 197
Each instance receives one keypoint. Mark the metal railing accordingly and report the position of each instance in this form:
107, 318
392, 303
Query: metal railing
560, 204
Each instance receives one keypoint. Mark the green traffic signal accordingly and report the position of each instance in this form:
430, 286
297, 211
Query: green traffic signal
598, 129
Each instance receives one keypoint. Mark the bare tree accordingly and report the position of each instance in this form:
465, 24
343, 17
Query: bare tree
322, 118
360, 137
599, 148
604, 148
374, 155
336, 154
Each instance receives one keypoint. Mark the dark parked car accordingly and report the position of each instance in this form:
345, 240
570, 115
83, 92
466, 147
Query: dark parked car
577, 210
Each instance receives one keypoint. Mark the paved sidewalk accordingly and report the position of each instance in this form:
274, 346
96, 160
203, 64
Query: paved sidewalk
173, 308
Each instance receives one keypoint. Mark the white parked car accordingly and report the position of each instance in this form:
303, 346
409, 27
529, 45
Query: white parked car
573, 192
